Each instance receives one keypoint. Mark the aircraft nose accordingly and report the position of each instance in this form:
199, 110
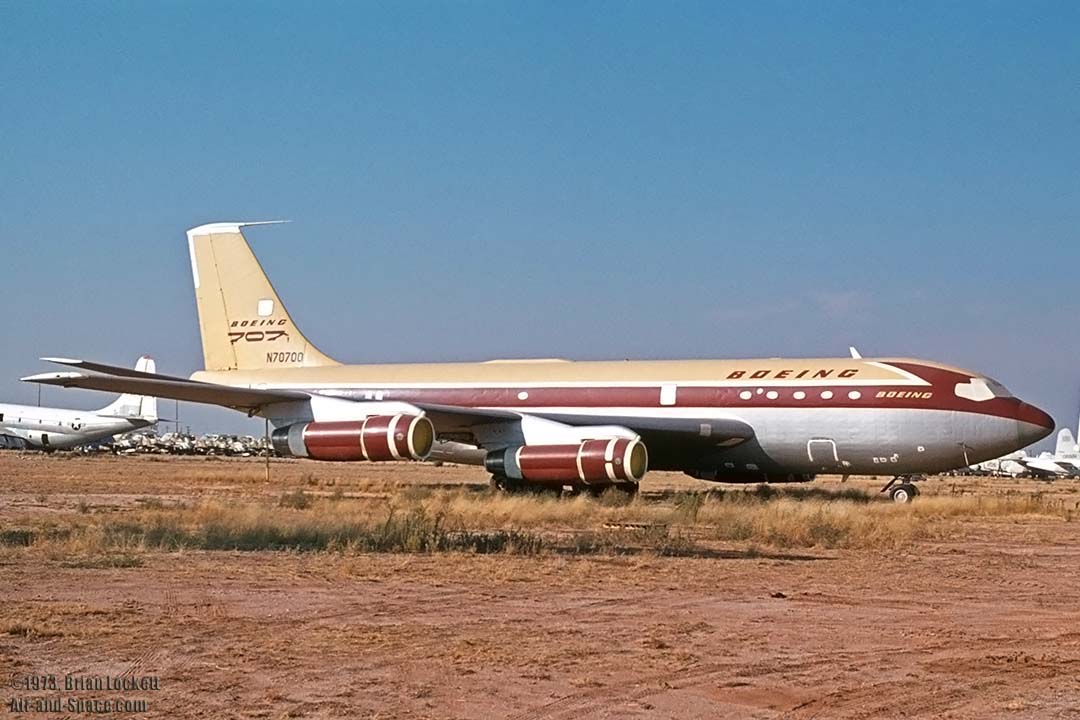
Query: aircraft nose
1033, 424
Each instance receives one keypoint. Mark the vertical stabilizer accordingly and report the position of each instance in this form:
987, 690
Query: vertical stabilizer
243, 323
138, 407
1066, 445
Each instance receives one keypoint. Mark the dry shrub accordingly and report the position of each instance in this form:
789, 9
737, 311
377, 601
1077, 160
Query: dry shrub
253, 527
296, 499
27, 630
426, 520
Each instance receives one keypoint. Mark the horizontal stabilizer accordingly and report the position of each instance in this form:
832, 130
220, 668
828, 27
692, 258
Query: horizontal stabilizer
248, 399
113, 369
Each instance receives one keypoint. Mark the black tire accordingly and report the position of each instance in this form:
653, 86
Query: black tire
903, 493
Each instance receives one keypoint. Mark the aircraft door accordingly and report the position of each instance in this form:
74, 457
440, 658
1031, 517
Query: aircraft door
822, 454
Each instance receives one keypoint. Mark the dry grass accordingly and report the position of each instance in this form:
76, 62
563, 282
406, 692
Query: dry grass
425, 520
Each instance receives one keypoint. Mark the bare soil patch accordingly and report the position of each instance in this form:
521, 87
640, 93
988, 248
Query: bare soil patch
971, 615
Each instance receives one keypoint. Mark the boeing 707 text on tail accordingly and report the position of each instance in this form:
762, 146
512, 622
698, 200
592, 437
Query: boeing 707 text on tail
586, 425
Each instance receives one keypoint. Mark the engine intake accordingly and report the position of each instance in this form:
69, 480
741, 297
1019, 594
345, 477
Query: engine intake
375, 439
593, 462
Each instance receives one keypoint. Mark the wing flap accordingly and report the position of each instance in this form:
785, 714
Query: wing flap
708, 430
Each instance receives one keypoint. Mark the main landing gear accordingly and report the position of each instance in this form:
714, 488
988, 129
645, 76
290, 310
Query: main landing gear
507, 485
902, 488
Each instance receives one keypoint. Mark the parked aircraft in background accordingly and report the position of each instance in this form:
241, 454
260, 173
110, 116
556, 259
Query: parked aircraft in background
586, 425
1063, 462
1011, 465
27, 426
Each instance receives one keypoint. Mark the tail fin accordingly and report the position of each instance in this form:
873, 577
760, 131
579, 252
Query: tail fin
1066, 444
244, 324
135, 406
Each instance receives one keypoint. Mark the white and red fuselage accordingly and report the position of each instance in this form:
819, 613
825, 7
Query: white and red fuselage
747, 420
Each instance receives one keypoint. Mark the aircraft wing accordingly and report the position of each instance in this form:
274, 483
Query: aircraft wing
248, 399
454, 417
706, 431
713, 430
110, 378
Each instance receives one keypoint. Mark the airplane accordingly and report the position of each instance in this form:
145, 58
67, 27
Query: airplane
27, 426
583, 426
1063, 462
1011, 465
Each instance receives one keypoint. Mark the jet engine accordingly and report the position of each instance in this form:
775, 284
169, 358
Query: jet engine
591, 462
376, 438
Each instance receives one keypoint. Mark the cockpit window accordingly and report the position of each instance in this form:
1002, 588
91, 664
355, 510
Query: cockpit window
981, 389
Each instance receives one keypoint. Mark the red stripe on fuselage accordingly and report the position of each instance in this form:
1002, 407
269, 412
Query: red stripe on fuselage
939, 394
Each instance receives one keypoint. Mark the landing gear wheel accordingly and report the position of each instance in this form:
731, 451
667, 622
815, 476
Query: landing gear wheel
501, 483
904, 492
902, 488
512, 486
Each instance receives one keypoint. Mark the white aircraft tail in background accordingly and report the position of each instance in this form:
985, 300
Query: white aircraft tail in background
1067, 453
1066, 445
128, 405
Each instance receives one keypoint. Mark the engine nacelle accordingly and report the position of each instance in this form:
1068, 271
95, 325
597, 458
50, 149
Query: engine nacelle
375, 439
592, 462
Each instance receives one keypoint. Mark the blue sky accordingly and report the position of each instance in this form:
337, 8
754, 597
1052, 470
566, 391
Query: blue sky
587, 180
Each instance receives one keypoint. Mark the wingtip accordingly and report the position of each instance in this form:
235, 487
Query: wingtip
223, 228
46, 377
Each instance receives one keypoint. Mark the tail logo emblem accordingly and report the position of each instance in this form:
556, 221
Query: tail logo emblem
258, 336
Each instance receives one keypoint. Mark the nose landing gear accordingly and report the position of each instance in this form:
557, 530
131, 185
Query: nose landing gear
902, 488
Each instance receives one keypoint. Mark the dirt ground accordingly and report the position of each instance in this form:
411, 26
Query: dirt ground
987, 625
